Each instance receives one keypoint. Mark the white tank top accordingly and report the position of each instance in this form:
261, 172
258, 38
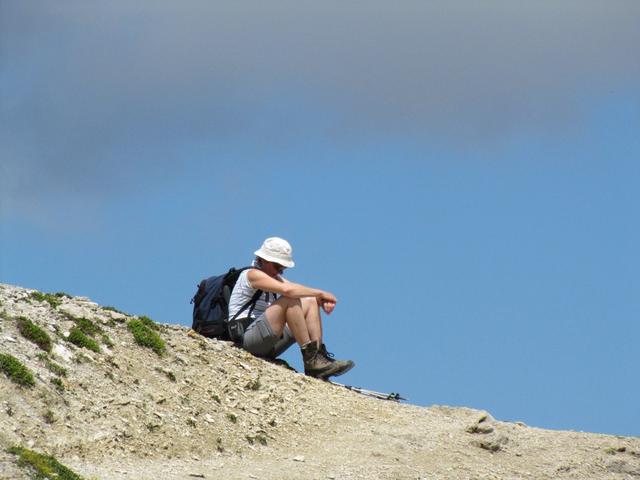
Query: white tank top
242, 293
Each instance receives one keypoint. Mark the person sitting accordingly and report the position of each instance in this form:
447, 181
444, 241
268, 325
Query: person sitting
286, 313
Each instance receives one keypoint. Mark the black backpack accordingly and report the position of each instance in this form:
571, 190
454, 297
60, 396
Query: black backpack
211, 304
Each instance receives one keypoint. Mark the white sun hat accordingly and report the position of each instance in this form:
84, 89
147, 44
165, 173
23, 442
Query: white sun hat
278, 250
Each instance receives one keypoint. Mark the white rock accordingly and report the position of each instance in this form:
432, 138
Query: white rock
73, 309
299, 458
86, 301
62, 351
100, 435
116, 315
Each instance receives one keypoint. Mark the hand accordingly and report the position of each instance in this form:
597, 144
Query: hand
327, 301
328, 306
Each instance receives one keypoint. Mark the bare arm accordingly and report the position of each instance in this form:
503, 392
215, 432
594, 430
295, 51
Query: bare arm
262, 281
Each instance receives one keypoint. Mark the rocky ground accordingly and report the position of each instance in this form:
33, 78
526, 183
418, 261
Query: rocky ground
204, 409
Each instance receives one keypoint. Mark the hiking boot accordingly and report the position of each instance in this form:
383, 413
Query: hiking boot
318, 365
344, 365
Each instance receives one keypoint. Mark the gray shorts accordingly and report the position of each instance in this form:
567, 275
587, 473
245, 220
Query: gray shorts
260, 339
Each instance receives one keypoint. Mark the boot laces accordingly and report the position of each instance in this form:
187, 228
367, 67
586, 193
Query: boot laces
326, 353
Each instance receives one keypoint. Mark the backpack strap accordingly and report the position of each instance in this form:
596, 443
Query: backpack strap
251, 302
254, 301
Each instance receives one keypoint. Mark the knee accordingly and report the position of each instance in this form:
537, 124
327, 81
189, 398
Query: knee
289, 302
308, 302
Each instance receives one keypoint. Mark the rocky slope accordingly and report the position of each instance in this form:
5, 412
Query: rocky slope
201, 408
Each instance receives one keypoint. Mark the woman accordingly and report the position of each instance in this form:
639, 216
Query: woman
286, 312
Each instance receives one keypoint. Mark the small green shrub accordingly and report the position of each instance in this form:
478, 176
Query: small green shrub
58, 384
107, 341
81, 358
87, 327
55, 368
52, 366
53, 299
149, 323
34, 333
16, 371
146, 337
232, 417
49, 416
43, 467
170, 375
91, 329
77, 337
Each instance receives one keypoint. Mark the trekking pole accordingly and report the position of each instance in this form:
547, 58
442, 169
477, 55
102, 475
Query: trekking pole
393, 396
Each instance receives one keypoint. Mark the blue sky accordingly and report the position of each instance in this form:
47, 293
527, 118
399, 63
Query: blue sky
463, 177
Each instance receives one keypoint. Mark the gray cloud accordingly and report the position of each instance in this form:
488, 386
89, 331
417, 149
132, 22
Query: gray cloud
96, 92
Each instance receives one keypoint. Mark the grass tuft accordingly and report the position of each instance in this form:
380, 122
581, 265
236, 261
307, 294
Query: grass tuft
53, 299
34, 333
146, 337
87, 327
49, 416
149, 323
16, 371
170, 375
42, 466
52, 366
91, 329
77, 337
106, 340
55, 368
58, 384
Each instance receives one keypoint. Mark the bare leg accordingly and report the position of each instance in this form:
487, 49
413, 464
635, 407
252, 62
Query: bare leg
301, 315
311, 311
288, 311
